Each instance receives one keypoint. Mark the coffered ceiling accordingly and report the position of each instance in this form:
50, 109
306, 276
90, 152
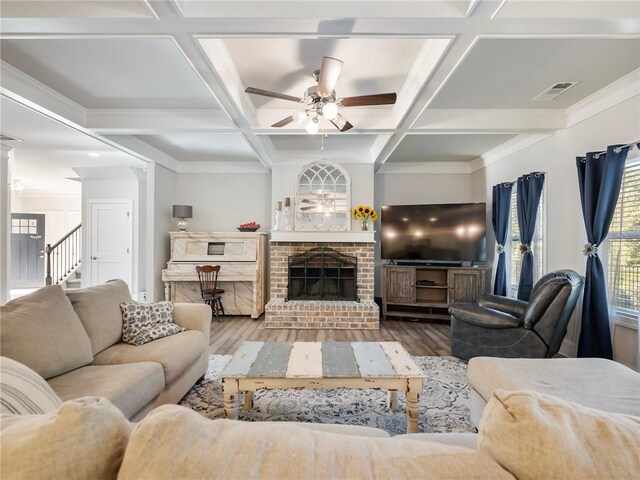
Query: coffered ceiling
164, 80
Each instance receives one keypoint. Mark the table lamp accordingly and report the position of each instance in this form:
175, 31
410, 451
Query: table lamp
182, 212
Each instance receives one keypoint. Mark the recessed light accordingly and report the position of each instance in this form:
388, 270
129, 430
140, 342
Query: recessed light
405, 219
433, 219
93, 154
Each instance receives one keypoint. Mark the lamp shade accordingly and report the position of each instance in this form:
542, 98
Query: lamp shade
182, 211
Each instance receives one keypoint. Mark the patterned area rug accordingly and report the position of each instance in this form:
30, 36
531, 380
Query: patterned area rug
444, 403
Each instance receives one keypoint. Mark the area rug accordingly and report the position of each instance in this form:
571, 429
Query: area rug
444, 403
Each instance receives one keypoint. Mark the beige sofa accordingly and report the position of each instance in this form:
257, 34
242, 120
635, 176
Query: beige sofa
524, 435
73, 340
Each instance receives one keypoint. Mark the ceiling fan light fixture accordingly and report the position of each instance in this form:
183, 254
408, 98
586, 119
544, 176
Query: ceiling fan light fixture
330, 110
300, 117
312, 127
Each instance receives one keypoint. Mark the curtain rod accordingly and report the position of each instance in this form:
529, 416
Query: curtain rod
618, 149
516, 181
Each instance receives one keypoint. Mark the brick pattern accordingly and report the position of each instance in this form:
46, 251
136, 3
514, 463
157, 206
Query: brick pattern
316, 313
305, 314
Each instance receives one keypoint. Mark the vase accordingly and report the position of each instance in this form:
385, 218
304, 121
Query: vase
364, 226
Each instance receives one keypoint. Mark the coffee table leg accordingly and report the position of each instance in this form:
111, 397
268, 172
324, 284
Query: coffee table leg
393, 400
413, 412
248, 401
231, 401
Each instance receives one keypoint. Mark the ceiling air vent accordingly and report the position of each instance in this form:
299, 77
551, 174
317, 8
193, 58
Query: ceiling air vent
553, 91
8, 138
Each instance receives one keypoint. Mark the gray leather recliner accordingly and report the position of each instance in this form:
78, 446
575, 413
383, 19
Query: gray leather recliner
506, 327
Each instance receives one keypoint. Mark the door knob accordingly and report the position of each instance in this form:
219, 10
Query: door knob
94, 258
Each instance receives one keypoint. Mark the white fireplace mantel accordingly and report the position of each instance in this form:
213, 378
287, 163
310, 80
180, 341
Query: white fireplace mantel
338, 237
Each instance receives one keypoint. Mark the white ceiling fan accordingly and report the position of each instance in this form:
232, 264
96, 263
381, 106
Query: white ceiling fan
321, 100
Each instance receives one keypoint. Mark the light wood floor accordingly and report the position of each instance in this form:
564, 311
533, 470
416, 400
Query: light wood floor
419, 338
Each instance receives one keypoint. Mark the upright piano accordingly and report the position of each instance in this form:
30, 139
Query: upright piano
243, 276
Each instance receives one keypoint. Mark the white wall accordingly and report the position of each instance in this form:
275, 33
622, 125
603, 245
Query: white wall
556, 156
128, 187
62, 213
399, 188
161, 192
222, 201
285, 175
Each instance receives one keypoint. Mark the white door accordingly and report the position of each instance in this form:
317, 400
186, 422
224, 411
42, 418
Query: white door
111, 242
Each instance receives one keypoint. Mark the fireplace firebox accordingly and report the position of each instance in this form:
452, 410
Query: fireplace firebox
322, 273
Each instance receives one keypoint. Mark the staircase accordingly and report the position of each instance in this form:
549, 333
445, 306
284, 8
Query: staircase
64, 259
74, 280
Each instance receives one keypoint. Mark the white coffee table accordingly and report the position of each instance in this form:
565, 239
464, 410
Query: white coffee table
323, 366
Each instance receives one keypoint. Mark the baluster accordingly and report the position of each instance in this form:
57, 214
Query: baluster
48, 279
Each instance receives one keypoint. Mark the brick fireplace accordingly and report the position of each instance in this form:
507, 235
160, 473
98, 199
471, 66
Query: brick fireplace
281, 312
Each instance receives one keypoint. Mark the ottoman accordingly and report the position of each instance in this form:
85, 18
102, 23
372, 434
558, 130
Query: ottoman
592, 382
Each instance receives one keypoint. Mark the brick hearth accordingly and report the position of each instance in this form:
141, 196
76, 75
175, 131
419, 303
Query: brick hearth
318, 313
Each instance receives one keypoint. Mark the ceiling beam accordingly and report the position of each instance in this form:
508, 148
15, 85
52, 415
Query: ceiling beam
198, 59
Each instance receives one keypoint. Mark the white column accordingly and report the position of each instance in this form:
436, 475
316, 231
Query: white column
5, 223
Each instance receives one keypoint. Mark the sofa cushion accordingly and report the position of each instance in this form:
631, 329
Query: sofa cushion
467, 440
99, 310
42, 331
536, 436
175, 353
593, 382
23, 391
84, 438
129, 387
144, 322
232, 449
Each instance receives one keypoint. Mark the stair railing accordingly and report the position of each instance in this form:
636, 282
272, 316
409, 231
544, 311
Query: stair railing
64, 256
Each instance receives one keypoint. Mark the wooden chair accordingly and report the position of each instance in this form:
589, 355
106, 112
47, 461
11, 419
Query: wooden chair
211, 294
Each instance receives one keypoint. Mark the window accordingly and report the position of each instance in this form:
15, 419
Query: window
537, 246
623, 256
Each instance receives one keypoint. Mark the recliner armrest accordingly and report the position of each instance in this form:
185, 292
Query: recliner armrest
483, 317
512, 306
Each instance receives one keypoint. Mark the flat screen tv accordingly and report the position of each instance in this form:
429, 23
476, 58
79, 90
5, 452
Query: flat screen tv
452, 232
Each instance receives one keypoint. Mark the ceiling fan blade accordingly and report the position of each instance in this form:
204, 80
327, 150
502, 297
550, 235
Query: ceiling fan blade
267, 93
329, 72
283, 122
341, 123
366, 100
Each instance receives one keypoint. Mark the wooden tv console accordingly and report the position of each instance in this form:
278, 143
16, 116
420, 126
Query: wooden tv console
416, 291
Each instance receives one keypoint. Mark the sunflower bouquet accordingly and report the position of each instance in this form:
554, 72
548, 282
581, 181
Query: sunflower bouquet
364, 213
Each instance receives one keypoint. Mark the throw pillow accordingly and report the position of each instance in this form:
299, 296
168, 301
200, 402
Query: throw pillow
231, 449
144, 322
23, 391
538, 436
84, 438
42, 331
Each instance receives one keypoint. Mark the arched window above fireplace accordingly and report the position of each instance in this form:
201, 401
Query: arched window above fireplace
323, 198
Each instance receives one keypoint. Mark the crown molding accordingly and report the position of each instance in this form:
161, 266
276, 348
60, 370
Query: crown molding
613, 94
26, 86
508, 148
424, 167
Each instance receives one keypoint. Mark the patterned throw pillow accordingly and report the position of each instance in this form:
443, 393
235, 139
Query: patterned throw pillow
23, 391
144, 322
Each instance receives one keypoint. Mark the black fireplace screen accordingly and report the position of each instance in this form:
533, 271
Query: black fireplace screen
322, 273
